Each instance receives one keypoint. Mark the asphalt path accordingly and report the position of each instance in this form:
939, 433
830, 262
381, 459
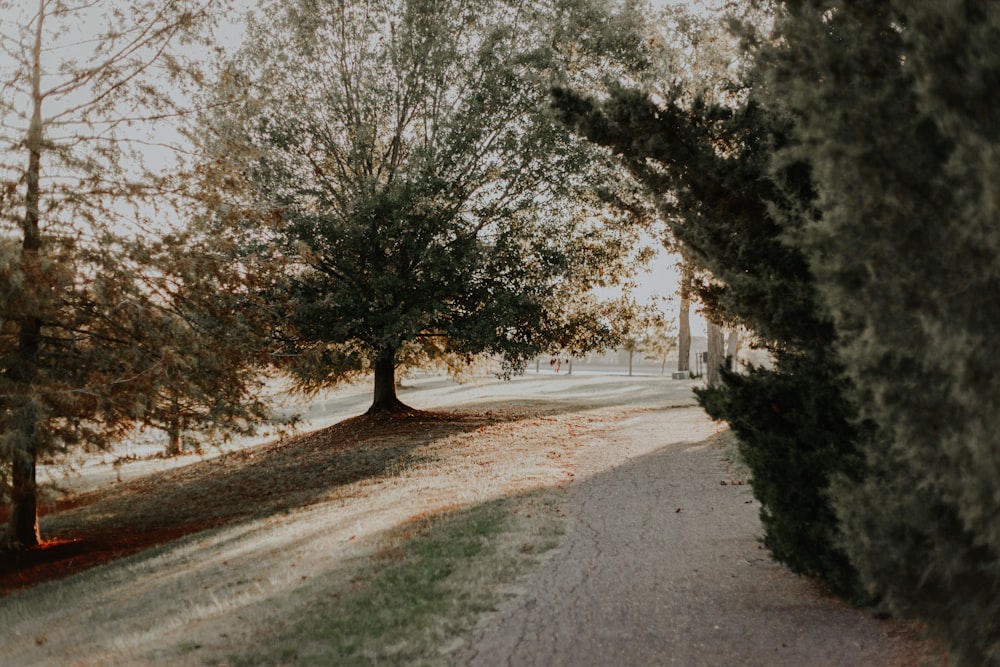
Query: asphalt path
661, 564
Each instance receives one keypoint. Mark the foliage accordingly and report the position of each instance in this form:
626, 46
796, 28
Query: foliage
796, 434
659, 340
97, 327
405, 182
897, 118
644, 330
204, 330
705, 156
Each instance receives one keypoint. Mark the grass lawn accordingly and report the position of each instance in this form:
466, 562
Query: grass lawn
362, 542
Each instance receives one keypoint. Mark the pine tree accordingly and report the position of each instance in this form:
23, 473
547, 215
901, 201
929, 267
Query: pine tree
87, 342
706, 155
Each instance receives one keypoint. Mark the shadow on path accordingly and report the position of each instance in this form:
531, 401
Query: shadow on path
661, 565
104, 525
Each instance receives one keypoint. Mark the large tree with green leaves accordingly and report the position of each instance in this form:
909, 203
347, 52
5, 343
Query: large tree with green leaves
406, 182
99, 329
896, 116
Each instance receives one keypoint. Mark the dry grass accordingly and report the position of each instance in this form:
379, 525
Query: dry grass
251, 540
727, 443
262, 481
421, 590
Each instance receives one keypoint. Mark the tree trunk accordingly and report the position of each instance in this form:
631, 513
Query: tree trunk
631, 353
716, 354
22, 529
385, 400
684, 325
174, 445
175, 428
732, 348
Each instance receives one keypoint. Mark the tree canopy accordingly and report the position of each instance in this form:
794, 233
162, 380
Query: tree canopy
405, 182
839, 207
705, 153
101, 328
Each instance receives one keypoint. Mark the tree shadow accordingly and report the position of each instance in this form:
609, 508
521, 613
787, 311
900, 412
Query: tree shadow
100, 526
92, 528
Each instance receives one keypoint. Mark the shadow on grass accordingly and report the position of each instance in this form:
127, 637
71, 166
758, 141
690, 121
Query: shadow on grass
567, 397
104, 525
429, 585
107, 524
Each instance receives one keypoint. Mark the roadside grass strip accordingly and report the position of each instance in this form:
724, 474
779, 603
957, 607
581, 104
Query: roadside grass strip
422, 591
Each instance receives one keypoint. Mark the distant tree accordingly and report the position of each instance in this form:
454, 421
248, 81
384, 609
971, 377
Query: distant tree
659, 341
898, 121
631, 345
88, 347
405, 176
595, 325
635, 323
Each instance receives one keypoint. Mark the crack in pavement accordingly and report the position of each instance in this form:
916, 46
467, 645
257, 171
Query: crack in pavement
661, 565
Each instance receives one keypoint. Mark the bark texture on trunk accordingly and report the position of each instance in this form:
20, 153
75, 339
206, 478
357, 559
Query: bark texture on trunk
684, 330
175, 446
22, 528
175, 429
385, 399
716, 354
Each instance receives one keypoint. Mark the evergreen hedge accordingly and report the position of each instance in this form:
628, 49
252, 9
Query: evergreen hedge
709, 166
896, 114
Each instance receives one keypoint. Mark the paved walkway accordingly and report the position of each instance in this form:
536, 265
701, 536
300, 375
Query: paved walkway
661, 565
